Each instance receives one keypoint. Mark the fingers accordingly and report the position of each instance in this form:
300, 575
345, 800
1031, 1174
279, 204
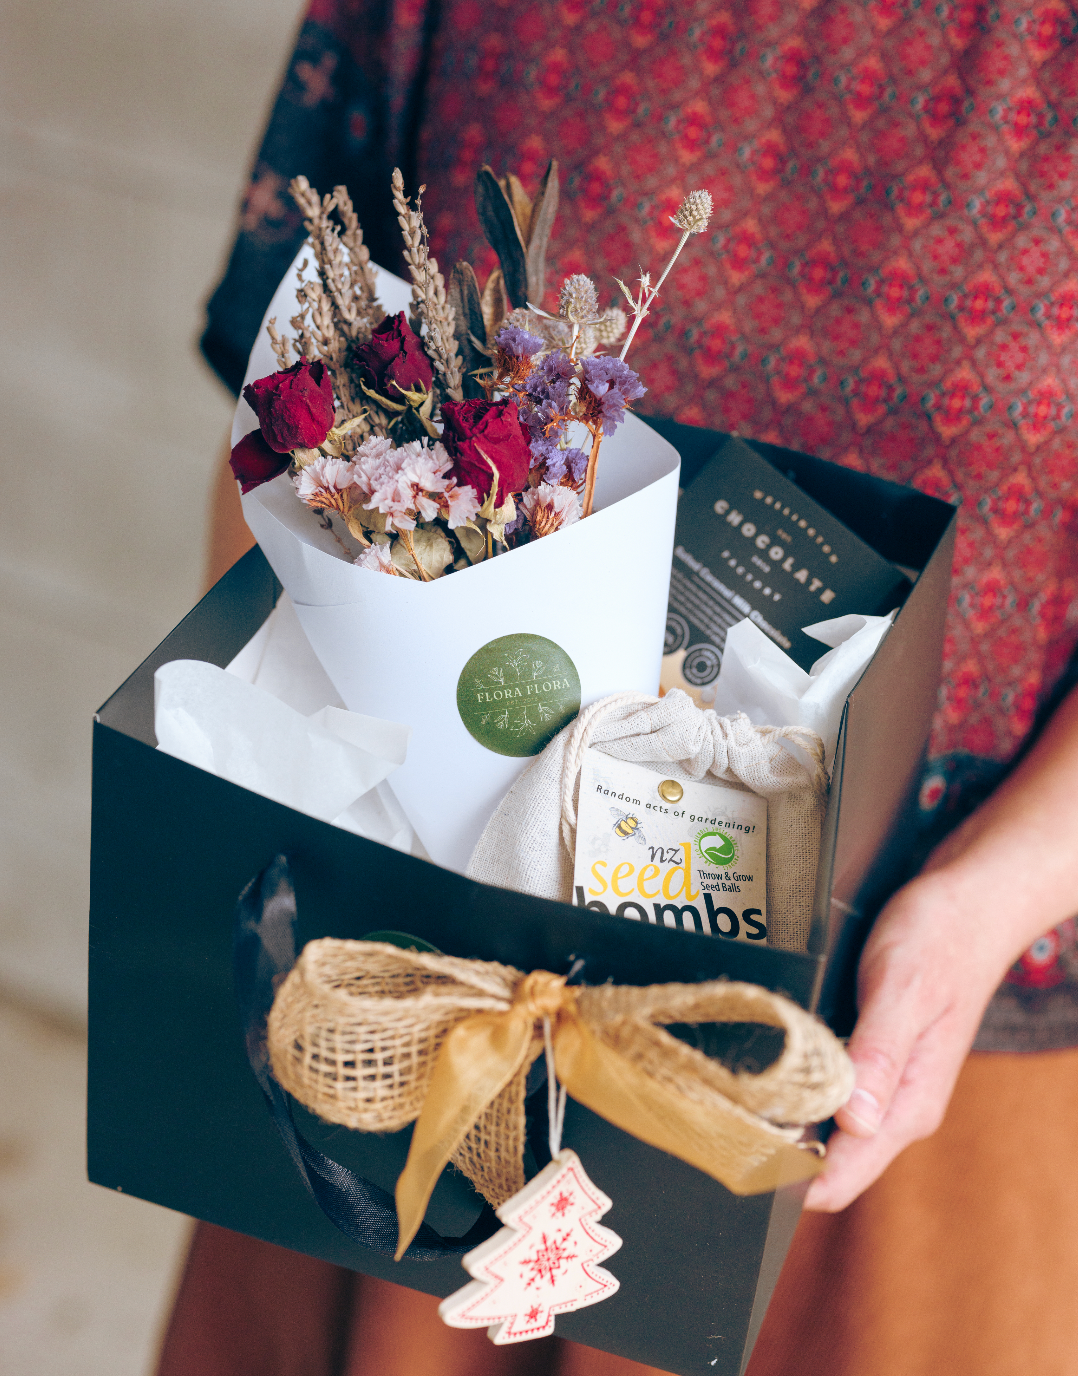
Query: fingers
891, 1022
915, 1110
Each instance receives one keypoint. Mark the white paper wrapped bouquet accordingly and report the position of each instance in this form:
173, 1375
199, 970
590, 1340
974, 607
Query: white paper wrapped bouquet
474, 531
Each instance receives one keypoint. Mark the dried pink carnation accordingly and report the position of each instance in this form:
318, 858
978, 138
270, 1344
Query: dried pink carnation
420, 477
378, 558
459, 504
375, 463
327, 484
549, 508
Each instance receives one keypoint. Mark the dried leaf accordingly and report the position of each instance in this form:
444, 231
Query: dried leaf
538, 234
495, 304
521, 203
472, 541
469, 324
432, 548
362, 523
356, 526
385, 402
503, 516
503, 234
403, 562
628, 294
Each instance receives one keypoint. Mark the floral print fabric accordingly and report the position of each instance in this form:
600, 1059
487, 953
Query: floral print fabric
890, 279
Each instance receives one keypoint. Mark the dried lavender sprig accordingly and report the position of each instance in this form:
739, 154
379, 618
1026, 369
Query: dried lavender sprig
364, 281
303, 343
693, 216
281, 346
329, 256
428, 291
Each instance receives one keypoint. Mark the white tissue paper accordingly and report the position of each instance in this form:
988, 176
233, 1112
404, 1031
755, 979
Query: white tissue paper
758, 678
270, 723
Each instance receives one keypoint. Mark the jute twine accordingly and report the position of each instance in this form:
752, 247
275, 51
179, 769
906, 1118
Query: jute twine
356, 1029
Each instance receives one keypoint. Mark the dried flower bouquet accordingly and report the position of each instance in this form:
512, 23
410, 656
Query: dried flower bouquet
469, 427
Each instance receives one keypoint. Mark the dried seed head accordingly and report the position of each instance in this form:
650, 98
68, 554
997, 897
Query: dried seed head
610, 326
579, 299
694, 212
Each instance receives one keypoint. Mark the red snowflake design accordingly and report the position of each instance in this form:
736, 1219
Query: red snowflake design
940, 108
1041, 411
841, 180
532, 1316
865, 88
918, 197
1057, 313
1022, 118
982, 303
790, 68
956, 402
961, 20
872, 391
999, 211
819, 273
563, 1202
896, 291
550, 1257
744, 252
767, 161
1045, 28
793, 370
715, 45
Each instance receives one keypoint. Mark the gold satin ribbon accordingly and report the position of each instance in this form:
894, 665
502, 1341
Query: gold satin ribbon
480, 1055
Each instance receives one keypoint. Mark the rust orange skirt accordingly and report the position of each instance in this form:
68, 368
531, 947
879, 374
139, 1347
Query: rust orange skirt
961, 1261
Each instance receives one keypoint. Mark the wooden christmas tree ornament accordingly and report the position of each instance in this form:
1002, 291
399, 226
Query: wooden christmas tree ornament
543, 1262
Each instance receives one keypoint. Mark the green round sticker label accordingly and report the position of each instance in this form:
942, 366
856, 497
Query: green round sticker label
517, 692
717, 848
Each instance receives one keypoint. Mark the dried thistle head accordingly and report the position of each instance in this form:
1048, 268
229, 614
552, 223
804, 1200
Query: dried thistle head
610, 326
579, 300
694, 212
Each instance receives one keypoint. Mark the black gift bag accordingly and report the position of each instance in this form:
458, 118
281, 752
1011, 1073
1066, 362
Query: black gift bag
176, 1115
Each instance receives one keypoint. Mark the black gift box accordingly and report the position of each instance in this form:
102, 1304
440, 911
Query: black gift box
175, 1114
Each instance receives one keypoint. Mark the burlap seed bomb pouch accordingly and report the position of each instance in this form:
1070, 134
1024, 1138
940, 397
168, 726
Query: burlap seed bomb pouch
529, 843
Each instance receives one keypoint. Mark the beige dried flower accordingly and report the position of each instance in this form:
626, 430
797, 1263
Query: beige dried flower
694, 212
579, 300
609, 328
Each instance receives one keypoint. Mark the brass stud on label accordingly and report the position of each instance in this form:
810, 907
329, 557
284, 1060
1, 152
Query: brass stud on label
670, 791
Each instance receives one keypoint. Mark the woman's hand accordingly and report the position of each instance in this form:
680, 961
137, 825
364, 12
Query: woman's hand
926, 976
939, 950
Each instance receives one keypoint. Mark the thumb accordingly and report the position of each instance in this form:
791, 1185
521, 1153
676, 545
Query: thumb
888, 1027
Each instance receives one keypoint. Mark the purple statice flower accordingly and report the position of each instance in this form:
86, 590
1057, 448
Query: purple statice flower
612, 385
517, 343
544, 397
561, 465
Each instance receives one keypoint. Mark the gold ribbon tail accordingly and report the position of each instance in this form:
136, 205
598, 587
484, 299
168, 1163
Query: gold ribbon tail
732, 1145
478, 1058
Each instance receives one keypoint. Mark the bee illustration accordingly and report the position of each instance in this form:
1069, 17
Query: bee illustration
628, 824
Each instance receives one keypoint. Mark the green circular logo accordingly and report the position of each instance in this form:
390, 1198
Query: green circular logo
517, 692
716, 848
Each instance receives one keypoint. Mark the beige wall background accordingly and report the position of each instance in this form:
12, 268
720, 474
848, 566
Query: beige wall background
125, 133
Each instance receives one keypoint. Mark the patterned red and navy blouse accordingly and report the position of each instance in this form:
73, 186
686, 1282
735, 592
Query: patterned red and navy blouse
890, 280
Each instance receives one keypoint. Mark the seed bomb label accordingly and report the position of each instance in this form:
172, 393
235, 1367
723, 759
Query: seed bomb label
672, 851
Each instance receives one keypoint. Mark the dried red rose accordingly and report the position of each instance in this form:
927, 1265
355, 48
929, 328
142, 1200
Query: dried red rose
253, 462
394, 358
473, 429
294, 407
